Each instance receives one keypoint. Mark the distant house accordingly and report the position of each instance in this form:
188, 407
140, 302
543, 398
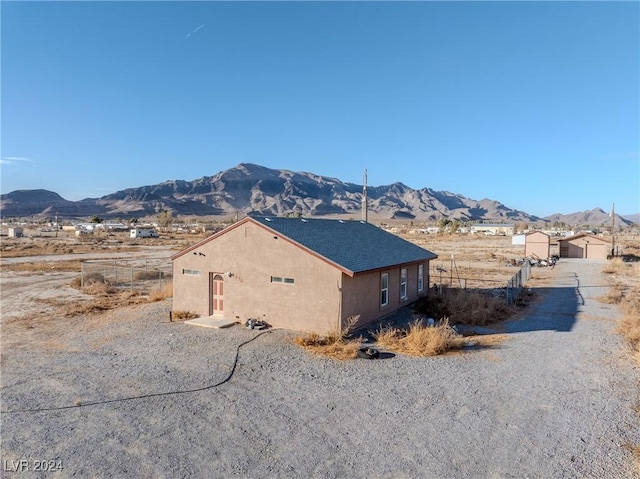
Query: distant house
300, 274
114, 227
16, 232
584, 245
537, 244
492, 229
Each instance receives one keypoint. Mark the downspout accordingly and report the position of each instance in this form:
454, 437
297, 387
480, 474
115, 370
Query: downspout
340, 281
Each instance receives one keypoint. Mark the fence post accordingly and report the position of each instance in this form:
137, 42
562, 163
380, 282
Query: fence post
82, 275
132, 280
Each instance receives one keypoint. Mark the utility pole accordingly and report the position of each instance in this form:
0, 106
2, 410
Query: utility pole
613, 230
365, 213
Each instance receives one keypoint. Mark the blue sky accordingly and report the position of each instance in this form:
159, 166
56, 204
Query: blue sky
534, 104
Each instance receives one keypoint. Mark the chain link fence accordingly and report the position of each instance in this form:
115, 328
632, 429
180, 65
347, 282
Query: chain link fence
517, 282
135, 276
495, 287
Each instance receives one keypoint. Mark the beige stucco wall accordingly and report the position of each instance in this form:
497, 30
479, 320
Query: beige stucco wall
537, 244
252, 255
361, 294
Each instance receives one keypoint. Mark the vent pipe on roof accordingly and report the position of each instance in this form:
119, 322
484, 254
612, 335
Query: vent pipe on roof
364, 198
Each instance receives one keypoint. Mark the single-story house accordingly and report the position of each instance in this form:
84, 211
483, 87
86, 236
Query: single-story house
537, 244
492, 229
584, 245
312, 275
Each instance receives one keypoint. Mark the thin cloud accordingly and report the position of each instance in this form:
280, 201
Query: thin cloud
633, 155
189, 34
9, 160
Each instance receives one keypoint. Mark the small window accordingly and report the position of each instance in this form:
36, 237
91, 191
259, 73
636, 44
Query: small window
276, 279
420, 277
280, 279
289, 280
403, 283
384, 289
192, 272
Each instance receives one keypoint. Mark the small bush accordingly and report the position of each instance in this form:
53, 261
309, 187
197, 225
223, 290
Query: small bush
144, 275
94, 283
94, 278
464, 307
98, 289
420, 340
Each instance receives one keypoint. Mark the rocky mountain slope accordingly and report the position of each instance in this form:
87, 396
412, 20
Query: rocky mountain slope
594, 217
21, 203
250, 188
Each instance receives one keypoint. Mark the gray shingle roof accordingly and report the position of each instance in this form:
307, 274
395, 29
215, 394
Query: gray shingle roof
356, 246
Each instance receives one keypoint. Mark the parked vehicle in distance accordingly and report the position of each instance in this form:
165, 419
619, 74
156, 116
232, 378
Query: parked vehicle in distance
144, 233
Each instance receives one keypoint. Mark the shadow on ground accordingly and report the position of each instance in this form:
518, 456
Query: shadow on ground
556, 310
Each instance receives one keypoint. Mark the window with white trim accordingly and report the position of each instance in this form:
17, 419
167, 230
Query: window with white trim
420, 277
403, 283
280, 279
191, 272
384, 289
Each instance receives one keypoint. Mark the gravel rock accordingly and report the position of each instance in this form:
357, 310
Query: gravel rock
131, 394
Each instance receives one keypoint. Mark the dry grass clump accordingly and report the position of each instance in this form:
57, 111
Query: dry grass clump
332, 346
180, 315
420, 339
99, 288
44, 266
624, 292
629, 326
465, 307
336, 345
104, 298
615, 295
108, 299
615, 266
31, 247
160, 294
89, 280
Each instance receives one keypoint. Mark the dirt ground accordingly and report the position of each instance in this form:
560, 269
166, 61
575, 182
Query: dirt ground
129, 393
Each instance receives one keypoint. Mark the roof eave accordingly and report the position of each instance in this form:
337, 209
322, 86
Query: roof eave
209, 238
396, 265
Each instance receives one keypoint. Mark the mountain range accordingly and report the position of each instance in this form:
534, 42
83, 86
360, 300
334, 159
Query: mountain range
249, 188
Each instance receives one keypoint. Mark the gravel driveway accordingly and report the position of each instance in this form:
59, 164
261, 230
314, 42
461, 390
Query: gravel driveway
553, 400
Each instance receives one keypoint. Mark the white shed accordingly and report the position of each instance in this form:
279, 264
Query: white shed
16, 232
